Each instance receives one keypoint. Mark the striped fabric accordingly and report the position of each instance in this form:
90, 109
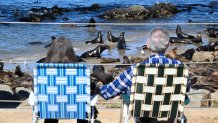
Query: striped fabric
158, 90
62, 91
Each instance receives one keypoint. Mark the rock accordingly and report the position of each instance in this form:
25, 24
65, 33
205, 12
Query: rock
197, 98
134, 59
137, 8
43, 13
109, 60
140, 12
213, 4
215, 54
214, 99
203, 56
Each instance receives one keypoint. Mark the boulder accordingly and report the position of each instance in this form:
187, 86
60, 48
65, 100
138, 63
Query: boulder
140, 12
198, 98
203, 56
214, 99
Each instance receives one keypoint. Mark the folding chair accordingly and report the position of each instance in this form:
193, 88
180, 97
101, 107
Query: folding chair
62, 91
158, 91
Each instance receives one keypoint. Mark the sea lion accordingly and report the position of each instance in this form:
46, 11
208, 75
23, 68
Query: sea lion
209, 47
198, 39
188, 54
35, 43
121, 44
125, 61
111, 38
172, 54
1, 65
182, 35
18, 71
52, 40
95, 52
179, 40
212, 32
142, 47
98, 39
100, 75
91, 23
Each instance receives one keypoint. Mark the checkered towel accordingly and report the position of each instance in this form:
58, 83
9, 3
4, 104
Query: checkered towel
62, 91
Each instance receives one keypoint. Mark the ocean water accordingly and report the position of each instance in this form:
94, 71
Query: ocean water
14, 38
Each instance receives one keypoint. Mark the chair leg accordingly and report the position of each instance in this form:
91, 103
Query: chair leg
125, 113
93, 114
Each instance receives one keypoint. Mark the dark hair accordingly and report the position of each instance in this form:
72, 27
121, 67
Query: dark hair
61, 51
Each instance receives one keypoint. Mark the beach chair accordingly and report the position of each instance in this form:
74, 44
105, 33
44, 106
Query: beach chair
62, 91
158, 91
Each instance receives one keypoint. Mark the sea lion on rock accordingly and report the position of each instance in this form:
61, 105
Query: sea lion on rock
100, 75
111, 38
18, 71
98, 39
172, 54
182, 35
209, 47
95, 52
125, 61
212, 32
188, 54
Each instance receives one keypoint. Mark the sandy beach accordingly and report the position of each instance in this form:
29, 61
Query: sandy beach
203, 115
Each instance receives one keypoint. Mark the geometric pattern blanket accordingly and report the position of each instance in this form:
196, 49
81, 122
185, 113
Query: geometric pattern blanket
158, 90
62, 91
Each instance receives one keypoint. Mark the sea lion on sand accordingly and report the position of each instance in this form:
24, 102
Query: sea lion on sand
198, 39
91, 23
95, 52
188, 54
182, 35
52, 40
142, 47
179, 40
35, 43
209, 47
111, 38
98, 39
121, 44
1, 65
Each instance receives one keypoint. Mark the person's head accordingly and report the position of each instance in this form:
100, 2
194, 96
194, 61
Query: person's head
61, 51
158, 40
